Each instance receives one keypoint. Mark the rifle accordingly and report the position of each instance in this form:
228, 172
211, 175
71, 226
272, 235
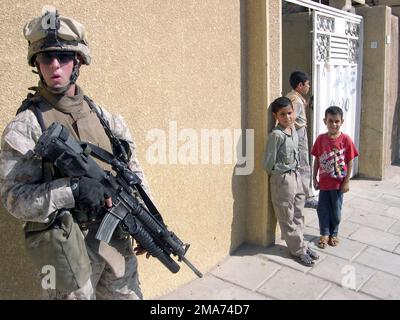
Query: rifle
143, 222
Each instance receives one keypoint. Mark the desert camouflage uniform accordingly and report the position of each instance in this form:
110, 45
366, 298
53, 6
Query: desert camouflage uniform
26, 197
32, 195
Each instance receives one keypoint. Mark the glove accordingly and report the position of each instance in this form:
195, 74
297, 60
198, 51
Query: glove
89, 195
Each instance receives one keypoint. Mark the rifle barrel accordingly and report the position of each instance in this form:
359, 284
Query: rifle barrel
194, 269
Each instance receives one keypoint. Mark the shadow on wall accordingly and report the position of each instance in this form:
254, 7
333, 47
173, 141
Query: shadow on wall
239, 182
238, 226
18, 276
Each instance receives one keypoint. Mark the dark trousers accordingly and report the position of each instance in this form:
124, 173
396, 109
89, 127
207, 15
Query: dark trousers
329, 211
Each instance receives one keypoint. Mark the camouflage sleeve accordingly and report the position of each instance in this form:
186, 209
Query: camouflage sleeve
121, 131
22, 190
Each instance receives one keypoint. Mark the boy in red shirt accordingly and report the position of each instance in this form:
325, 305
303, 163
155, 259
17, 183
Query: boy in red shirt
334, 152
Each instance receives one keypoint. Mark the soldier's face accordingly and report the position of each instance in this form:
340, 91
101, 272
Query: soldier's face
56, 68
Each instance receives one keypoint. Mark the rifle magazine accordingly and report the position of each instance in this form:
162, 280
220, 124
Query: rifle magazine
107, 227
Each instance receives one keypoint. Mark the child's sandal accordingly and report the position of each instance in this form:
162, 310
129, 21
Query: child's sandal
333, 241
323, 242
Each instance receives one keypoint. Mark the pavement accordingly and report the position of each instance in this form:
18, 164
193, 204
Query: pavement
365, 265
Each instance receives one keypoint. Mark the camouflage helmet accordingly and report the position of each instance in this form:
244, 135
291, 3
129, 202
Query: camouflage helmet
51, 32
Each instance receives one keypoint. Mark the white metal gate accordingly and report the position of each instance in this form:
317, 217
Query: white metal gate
336, 80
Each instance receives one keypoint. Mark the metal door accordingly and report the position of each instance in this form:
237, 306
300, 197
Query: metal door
336, 80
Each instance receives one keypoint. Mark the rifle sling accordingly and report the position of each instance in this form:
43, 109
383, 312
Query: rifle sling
113, 139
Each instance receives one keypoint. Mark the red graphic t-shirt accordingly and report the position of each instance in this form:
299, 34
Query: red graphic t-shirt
333, 156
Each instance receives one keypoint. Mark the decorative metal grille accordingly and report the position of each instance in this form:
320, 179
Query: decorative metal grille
336, 46
353, 46
352, 29
326, 24
323, 44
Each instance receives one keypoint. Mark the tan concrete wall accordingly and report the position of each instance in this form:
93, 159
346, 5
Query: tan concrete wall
264, 67
297, 54
257, 96
274, 61
296, 46
340, 4
387, 2
275, 49
153, 62
375, 90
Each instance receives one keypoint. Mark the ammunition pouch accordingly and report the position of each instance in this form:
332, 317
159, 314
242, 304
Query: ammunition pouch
60, 244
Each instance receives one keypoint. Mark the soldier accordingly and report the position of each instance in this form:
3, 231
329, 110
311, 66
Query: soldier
56, 209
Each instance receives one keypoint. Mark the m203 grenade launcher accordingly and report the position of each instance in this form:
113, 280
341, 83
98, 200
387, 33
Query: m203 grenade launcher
142, 221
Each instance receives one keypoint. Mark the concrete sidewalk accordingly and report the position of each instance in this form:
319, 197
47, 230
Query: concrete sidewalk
365, 264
